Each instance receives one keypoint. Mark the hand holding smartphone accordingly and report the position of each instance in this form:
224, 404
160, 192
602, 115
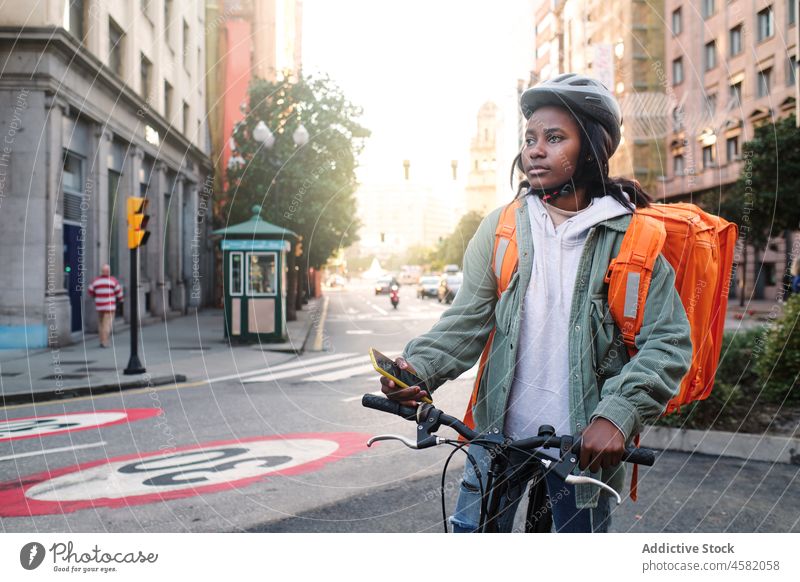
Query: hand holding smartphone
402, 378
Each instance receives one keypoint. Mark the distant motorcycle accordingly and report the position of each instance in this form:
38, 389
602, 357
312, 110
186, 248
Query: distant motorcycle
394, 295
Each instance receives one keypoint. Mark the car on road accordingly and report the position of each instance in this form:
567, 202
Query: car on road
384, 285
449, 286
428, 286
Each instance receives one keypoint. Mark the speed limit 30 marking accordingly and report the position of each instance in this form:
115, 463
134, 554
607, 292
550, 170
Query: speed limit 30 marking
52, 424
158, 476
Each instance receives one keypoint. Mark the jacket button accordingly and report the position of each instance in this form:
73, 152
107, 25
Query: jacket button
577, 328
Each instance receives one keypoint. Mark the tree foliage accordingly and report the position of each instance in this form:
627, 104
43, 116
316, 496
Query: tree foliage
451, 249
765, 200
308, 189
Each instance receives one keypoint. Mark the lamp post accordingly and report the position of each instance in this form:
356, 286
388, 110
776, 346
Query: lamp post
266, 140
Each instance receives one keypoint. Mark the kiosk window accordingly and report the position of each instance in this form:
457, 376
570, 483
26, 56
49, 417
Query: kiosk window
262, 277
236, 278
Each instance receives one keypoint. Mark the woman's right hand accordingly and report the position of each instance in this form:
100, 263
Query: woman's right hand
405, 396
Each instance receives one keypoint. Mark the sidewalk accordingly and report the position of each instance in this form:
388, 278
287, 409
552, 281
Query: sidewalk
187, 348
754, 313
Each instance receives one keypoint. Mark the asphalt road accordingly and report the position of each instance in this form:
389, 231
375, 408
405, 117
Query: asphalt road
283, 449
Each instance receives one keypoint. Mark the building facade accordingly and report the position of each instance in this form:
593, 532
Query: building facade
101, 101
730, 66
482, 179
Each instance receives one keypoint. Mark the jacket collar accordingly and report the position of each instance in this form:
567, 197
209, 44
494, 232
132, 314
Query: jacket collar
619, 224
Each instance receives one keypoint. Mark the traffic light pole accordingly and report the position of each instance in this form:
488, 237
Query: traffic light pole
134, 365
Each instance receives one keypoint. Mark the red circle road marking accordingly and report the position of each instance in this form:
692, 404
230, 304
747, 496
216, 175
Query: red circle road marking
19, 498
49, 423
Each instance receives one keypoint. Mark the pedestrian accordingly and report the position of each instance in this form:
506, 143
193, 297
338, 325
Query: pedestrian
106, 291
557, 358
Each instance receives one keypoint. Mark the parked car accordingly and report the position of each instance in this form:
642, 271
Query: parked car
428, 286
384, 284
449, 286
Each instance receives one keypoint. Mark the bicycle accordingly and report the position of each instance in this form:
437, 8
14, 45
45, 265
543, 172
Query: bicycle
507, 458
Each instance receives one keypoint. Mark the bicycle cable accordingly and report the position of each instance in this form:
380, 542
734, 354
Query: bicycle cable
471, 459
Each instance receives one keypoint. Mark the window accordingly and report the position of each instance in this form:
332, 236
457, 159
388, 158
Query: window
708, 156
766, 23
791, 12
116, 51
72, 184
764, 82
735, 40
167, 101
677, 165
236, 279
735, 93
146, 77
185, 119
677, 21
677, 71
677, 118
168, 22
710, 55
732, 148
711, 103
262, 276
791, 71
708, 8
73, 18
185, 45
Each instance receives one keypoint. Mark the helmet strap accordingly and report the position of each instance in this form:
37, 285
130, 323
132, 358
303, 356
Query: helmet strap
551, 194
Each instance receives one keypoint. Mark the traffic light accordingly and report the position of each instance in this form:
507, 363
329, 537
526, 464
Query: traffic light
137, 222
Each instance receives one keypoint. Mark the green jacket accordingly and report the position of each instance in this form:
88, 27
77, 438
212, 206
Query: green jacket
604, 381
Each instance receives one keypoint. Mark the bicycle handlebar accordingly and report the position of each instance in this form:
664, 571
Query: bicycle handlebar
639, 456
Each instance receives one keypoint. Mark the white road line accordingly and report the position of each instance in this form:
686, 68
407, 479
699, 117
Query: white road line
352, 398
280, 367
305, 371
359, 331
342, 374
58, 450
378, 309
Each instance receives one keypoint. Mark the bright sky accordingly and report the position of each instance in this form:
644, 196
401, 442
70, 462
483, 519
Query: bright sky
421, 69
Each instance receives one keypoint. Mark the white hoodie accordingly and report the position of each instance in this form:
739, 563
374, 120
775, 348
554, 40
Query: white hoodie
540, 389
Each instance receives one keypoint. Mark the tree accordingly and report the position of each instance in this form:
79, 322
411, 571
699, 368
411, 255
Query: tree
309, 189
451, 249
765, 200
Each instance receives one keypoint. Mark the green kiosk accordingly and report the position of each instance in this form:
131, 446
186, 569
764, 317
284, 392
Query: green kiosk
255, 265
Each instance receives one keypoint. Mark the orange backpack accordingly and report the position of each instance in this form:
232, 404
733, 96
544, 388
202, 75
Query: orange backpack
700, 248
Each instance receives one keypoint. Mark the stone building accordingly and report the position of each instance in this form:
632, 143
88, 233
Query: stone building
100, 101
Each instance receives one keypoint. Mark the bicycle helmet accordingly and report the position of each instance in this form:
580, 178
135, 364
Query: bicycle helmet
579, 94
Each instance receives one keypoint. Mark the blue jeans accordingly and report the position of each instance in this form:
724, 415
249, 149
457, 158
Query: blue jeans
567, 518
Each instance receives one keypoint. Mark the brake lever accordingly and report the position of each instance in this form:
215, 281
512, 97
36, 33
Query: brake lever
407, 442
581, 479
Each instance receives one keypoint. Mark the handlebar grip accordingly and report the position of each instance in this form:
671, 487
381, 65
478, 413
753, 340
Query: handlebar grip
639, 456
390, 406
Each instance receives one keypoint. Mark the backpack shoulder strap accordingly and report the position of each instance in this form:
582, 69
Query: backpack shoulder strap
506, 254
629, 275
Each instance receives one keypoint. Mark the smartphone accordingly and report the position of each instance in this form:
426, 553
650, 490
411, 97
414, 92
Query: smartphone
403, 378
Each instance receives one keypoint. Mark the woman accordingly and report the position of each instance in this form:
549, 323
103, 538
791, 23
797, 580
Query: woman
556, 357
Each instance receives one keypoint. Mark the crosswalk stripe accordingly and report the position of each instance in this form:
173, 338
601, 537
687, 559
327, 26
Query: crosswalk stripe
286, 366
352, 398
350, 372
307, 370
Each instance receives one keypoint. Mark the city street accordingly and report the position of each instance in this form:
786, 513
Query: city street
281, 447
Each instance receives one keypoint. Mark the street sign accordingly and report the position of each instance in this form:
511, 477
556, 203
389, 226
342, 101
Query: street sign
53, 424
156, 476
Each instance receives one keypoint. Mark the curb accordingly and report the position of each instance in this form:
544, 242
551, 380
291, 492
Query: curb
752, 447
72, 392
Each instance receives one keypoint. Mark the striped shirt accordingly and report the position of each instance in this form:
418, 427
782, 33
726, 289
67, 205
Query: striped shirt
106, 291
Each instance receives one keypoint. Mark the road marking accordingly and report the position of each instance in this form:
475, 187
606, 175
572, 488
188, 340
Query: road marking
305, 371
159, 476
12, 429
359, 331
57, 450
378, 309
352, 398
284, 366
